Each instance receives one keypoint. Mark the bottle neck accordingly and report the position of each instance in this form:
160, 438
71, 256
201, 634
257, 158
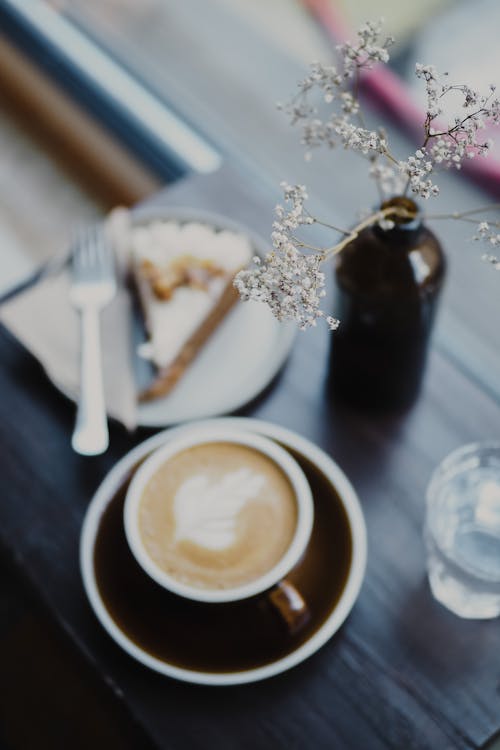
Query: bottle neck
403, 229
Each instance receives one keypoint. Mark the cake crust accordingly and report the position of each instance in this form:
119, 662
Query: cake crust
167, 377
183, 275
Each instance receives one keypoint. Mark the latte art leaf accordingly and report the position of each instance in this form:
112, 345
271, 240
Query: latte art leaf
206, 512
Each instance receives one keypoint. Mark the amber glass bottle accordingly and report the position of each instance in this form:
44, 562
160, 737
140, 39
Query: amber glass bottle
388, 283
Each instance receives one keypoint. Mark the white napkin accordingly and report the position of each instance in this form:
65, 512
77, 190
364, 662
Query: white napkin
45, 322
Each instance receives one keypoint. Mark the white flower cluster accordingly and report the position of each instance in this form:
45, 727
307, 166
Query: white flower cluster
489, 233
448, 146
390, 181
358, 138
291, 283
493, 259
288, 280
417, 169
293, 215
334, 86
367, 52
433, 87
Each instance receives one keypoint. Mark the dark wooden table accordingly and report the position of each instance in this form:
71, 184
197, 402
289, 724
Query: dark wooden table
402, 673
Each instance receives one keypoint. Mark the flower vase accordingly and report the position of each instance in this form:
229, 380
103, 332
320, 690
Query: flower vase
388, 283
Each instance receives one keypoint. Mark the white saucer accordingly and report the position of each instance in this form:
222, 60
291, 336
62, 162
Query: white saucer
239, 360
344, 605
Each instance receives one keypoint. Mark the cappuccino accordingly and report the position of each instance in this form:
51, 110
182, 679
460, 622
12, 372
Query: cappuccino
217, 515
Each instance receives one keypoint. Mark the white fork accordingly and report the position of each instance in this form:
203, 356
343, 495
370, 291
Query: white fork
93, 287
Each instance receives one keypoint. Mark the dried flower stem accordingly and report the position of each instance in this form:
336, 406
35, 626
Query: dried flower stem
290, 280
352, 234
325, 224
468, 212
383, 213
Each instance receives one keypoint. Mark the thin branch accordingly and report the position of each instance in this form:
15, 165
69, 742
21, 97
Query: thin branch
380, 189
384, 213
347, 232
468, 212
355, 95
300, 243
456, 218
389, 156
458, 126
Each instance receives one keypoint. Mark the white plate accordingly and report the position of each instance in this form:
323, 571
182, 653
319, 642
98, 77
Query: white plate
344, 605
238, 361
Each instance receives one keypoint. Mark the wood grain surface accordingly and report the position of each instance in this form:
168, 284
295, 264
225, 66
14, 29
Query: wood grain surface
402, 672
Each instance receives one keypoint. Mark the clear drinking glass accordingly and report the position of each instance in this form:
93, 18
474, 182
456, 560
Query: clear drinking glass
462, 531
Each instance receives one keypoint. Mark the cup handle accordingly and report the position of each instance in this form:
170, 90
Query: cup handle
289, 604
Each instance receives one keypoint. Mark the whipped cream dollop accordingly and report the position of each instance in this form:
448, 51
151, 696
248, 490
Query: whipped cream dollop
206, 512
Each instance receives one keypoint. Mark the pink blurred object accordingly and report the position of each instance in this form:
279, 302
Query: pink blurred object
389, 93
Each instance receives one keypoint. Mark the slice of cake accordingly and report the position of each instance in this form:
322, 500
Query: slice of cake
184, 276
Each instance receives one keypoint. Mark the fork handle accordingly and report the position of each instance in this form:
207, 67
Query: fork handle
90, 436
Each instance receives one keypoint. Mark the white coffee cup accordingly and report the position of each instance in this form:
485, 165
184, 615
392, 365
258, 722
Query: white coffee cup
273, 577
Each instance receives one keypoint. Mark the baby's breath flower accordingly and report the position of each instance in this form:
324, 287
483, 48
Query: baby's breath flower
332, 86
483, 231
358, 138
495, 262
289, 278
290, 282
333, 323
366, 51
448, 146
416, 168
488, 232
350, 105
444, 147
390, 180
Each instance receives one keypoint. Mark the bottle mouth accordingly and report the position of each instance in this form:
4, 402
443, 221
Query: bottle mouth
409, 215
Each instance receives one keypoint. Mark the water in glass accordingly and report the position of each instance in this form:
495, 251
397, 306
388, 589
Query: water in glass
462, 531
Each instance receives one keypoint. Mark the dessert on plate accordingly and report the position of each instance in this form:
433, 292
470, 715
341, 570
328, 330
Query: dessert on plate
184, 275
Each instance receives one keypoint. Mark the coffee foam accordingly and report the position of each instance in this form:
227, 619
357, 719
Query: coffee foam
206, 513
217, 515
